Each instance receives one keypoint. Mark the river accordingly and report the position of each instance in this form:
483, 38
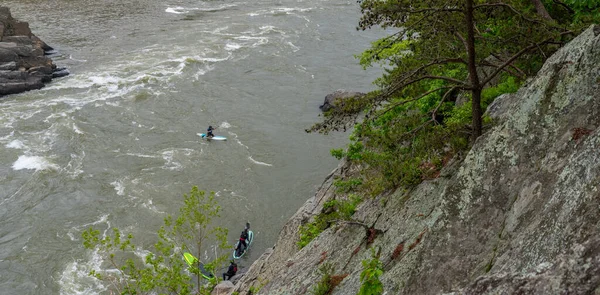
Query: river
115, 145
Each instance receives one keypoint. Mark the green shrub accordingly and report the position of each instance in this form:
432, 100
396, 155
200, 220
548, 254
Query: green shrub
323, 287
369, 277
332, 210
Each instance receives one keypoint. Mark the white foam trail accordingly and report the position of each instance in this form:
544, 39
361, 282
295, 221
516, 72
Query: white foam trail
15, 144
76, 129
74, 166
232, 46
176, 10
294, 47
141, 155
224, 125
79, 60
238, 141
34, 162
258, 162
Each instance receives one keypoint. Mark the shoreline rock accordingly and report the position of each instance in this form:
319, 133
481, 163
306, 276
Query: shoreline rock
332, 100
24, 65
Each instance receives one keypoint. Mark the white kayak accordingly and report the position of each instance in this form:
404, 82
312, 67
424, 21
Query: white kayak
212, 138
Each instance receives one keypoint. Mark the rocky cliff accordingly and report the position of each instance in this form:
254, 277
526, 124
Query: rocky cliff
23, 64
518, 214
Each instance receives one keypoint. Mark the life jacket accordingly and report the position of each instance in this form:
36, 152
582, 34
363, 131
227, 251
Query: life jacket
234, 268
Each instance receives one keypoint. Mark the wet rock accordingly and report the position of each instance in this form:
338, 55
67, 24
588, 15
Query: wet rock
7, 55
23, 64
335, 98
60, 72
8, 66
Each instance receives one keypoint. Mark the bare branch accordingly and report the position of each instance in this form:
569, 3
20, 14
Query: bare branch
520, 73
565, 6
424, 10
462, 39
500, 4
517, 55
517, 72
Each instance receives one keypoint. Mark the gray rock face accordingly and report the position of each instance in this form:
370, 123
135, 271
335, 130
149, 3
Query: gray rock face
331, 100
23, 66
519, 214
222, 288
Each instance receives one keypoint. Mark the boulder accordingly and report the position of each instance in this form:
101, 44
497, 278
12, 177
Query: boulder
21, 28
21, 50
23, 64
7, 55
8, 66
20, 40
222, 288
20, 86
60, 72
336, 97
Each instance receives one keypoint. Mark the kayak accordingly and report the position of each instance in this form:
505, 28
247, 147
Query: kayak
194, 262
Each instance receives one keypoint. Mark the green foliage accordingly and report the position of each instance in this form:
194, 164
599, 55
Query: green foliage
257, 288
584, 11
338, 153
345, 186
324, 287
405, 144
332, 210
508, 84
369, 277
162, 271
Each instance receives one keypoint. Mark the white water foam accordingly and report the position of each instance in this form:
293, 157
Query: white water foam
259, 162
176, 10
232, 46
36, 163
224, 125
15, 144
119, 187
170, 163
294, 47
75, 279
73, 168
148, 204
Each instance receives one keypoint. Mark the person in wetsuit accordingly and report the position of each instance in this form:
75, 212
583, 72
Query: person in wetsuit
230, 271
242, 245
209, 132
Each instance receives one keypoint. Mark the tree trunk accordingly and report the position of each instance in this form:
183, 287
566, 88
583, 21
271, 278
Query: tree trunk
473, 77
541, 9
476, 112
